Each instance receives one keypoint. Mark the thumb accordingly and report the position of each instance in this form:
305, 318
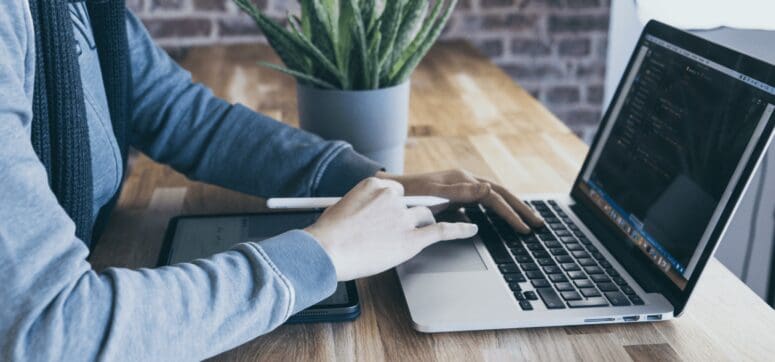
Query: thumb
445, 231
466, 192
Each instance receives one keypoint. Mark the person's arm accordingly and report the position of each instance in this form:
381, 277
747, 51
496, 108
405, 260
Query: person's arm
55, 307
183, 124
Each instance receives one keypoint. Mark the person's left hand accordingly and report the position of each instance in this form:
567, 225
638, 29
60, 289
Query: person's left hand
460, 187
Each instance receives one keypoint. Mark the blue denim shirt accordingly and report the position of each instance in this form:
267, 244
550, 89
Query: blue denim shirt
55, 307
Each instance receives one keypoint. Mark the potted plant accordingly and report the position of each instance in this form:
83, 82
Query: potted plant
352, 60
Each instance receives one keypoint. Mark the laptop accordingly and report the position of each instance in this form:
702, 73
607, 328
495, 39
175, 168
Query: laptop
675, 151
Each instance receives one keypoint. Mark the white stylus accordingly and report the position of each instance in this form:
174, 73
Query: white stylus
324, 202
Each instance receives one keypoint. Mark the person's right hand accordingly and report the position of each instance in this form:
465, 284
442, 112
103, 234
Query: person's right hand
371, 230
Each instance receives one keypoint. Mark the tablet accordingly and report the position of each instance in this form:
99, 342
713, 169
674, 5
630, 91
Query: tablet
193, 237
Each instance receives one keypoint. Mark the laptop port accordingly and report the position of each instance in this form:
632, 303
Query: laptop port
654, 317
632, 318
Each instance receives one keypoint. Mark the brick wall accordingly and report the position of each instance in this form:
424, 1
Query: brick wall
554, 48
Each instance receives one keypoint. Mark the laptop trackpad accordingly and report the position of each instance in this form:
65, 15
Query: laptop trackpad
447, 256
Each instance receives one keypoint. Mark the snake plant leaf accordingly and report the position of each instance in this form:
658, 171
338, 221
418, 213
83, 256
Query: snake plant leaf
374, 59
410, 26
278, 37
354, 44
391, 20
359, 41
313, 52
419, 38
301, 76
427, 43
319, 29
369, 14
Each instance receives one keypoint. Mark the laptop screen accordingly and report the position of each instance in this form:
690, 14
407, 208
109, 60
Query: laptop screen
675, 145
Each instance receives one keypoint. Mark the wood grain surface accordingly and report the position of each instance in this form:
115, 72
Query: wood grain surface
465, 113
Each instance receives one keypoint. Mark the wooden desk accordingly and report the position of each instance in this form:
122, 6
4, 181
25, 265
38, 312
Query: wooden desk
465, 113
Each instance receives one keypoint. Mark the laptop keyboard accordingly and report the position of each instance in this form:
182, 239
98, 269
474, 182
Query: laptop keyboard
556, 264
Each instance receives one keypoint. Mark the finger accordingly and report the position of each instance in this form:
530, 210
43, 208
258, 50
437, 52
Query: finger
504, 210
445, 231
524, 211
373, 185
422, 216
465, 192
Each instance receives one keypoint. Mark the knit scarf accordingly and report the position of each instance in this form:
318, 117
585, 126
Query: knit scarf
60, 133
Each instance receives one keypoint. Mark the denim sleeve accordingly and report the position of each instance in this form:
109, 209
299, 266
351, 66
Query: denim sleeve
55, 307
183, 124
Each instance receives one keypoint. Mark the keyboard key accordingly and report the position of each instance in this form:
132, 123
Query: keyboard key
529, 238
519, 251
529, 266
552, 269
583, 283
636, 300
627, 290
592, 249
531, 295
605, 264
593, 270
556, 278
525, 305
520, 297
550, 298
584, 240
553, 244
612, 272
514, 277
597, 255
564, 259
574, 247
568, 239
600, 278
580, 254
534, 246
588, 303
608, 287
524, 259
617, 299
589, 292
556, 225
540, 283
558, 251
577, 275
515, 287
564, 287
619, 281
552, 220
540, 254
546, 261
508, 268
586, 262
534, 274
547, 237
562, 232
570, 295
570, 266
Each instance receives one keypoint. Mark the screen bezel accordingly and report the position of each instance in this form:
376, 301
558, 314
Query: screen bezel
744, 64
351, 306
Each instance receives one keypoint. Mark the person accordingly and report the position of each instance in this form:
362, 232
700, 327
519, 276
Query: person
79, 83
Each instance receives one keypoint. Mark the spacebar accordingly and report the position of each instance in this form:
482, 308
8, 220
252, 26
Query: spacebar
591, 302
550, 298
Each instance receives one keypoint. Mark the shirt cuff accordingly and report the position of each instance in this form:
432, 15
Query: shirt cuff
345, 171
305, 265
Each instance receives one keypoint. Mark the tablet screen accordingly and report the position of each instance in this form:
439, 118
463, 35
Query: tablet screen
198, 237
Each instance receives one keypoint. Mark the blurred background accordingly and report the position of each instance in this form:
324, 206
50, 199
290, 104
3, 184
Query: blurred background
558, 50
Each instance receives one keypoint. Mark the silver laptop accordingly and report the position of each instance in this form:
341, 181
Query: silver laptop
688, 125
